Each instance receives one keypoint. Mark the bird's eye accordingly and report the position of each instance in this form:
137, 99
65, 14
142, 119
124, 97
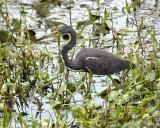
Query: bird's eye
60, 31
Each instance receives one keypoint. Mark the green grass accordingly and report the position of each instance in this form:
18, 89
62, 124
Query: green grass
30, 77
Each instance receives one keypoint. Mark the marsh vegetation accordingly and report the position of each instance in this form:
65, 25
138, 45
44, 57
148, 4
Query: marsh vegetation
37, 90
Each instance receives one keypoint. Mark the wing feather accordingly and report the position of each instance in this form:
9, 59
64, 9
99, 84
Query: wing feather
101, 62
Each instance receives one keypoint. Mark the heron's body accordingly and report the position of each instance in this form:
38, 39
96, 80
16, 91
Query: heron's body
100, 62
94, 60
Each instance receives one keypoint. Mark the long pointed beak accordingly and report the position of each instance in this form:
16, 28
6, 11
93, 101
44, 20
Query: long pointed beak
54, 34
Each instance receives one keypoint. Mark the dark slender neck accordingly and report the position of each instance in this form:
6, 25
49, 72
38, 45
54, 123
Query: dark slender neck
70, 44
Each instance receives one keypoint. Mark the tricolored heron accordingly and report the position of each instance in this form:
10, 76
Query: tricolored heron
92, 60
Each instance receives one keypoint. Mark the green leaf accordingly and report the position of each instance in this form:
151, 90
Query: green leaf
77, 112
55, 104
5, 118
91, 104
118, 110
43, 74
81, 75
1, 106
150, 76
127, 7
134, 5
145, 116
52, 23
156, 114
84, 122
16, 23
79, 34
136, 109
4, 88
158, 86
113, 95
91, 17
122, 99
45, 121
61, 89
4, 35
25, 84
132, 125
41, 83
97, 1
154, 42
72, 86
147, 33
43, 9
9, 84
140, 28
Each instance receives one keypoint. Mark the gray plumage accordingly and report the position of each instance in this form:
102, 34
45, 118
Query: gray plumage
101, 62
92, 60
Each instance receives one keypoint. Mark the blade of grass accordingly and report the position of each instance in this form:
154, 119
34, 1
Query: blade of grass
5, 117
140, 28
79, 34
118, 110
154, 42
134, 5
127, 7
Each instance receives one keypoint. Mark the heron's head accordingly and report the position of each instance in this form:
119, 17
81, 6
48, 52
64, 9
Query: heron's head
65, 30
60, 31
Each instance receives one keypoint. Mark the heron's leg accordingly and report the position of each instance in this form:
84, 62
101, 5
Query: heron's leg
90, 75
114, 82
106, 105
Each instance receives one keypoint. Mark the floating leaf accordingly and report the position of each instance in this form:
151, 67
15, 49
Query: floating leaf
4, 35
30, 34
16, 24
42, 9
51, 23
80, 23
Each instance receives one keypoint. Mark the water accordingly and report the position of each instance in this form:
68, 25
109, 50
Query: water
122, 24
